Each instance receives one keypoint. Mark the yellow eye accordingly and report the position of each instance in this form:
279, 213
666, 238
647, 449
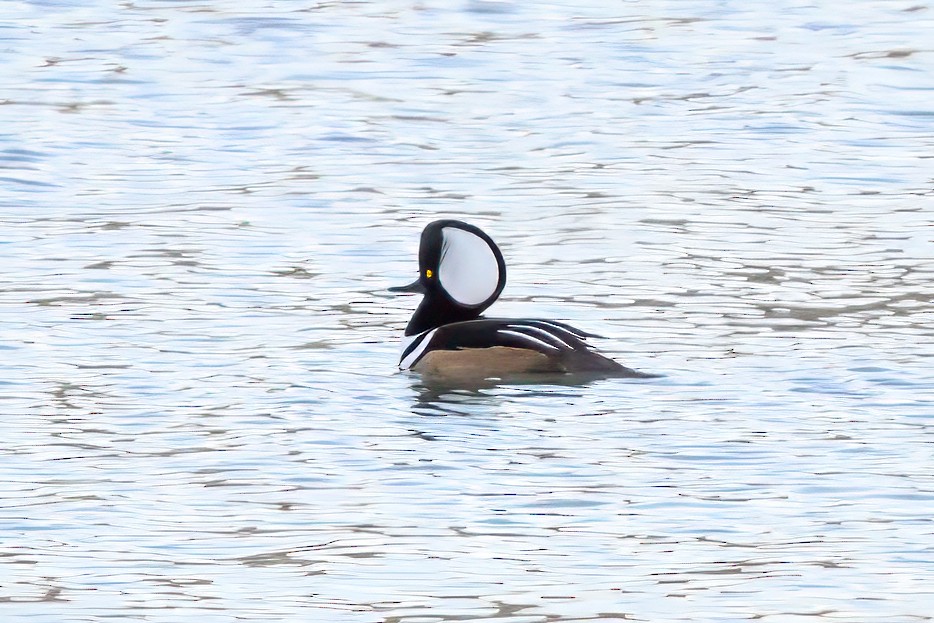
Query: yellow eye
428, 273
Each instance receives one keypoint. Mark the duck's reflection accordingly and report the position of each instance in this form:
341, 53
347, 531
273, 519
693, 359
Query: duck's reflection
438, 395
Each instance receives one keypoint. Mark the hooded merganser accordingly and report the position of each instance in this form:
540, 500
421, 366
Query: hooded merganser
461, 272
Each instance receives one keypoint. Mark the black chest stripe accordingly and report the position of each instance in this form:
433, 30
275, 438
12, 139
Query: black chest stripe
416, 349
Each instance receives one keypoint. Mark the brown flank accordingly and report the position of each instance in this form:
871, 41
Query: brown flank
497, 361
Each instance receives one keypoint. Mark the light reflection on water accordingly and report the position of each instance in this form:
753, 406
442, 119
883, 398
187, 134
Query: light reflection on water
202, 208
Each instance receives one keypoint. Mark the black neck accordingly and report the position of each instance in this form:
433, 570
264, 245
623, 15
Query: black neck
435, 311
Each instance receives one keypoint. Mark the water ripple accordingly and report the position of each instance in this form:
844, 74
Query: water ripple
202, 208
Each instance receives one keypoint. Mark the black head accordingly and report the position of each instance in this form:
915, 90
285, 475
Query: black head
461, 272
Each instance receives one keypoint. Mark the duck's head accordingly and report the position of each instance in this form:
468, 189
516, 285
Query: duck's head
461, 272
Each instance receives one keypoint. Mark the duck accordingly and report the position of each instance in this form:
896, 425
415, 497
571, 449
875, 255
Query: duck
461, 273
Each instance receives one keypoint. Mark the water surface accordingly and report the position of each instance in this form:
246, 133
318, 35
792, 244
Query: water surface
202, 206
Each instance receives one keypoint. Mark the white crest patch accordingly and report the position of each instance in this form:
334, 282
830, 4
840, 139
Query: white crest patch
468, 270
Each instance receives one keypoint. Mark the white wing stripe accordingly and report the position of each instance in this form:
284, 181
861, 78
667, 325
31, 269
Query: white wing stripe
540, 331
529, 338
575, 332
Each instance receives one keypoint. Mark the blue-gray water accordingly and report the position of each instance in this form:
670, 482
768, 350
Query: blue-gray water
202, 204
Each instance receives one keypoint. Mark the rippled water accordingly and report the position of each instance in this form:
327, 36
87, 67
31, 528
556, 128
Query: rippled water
203, 203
